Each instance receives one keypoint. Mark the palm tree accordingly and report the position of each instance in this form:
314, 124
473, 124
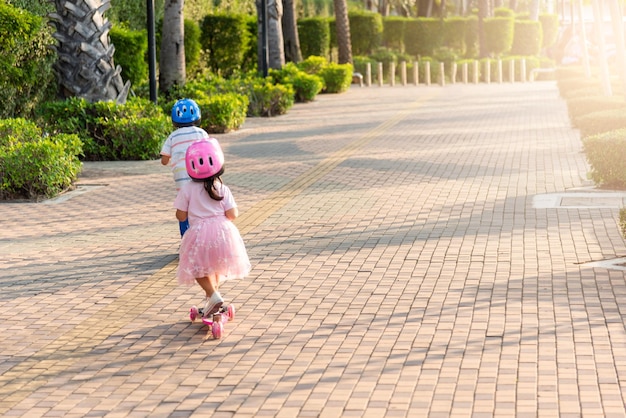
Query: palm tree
342, 24
275, 34
290, 32
172, 58
85, 66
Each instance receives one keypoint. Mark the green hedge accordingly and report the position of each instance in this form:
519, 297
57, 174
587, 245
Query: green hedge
366, 30
133, 131
223, 112
423, 36
550, 29
305, 86
225, 40
601, 121
34, 165
131, 47
606, 154
498, 35
26, 60
393, 32
454, 30
527, 38
314, 35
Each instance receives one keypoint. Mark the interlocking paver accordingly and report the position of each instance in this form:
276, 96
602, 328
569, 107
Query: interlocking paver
399, 269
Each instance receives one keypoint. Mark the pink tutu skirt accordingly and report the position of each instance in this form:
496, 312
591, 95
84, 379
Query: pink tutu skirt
212, 247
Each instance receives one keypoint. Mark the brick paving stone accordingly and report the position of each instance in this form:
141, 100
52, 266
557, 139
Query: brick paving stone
399, 269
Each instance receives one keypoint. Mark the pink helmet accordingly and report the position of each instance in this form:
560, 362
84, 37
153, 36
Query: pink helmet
204, 159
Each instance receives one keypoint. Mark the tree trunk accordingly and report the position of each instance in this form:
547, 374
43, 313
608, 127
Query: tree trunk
483, 12
618, 35
85, 66
172, 59
290, 29
275, 34
342, 24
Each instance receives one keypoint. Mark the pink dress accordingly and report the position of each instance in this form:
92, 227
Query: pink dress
212, 245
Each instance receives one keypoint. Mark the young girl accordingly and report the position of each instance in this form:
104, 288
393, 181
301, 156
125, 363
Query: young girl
212, 249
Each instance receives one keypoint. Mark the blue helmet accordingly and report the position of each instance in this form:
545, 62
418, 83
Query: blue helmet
185, 112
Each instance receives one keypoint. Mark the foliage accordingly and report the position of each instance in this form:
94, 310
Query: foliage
498, 35
225, 40
305, 86
313, 64
133, 13
360, 63
550, 29
580, 106
366, 29
337, 77
34, 165
471, 37
454, 29
314, 36
527, 38
130, 51
622, 221
423, 36
192, 47
601, 121
269, 99
133, 131
36, 7
26, 60
393, 32
606, 154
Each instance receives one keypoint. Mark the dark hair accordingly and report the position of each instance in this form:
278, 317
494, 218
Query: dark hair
186, 125
209, 184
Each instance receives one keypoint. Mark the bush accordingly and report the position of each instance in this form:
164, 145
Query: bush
606, 154
454, 29
498, 35
305, 86
337, 77
26, 59
580, 106
130, 53
366, 30
268, 99
192, 47
601, 121
360, 64
423, 36
33, 165
133, 131
314, 36
223, 112
225, 40
550, 29
393, 32
527, 38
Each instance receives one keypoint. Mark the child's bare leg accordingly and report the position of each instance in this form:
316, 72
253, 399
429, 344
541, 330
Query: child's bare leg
207, 285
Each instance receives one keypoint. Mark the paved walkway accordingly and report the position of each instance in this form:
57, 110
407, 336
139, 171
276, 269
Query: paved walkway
416, 252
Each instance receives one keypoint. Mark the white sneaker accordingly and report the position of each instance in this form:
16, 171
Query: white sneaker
212, 304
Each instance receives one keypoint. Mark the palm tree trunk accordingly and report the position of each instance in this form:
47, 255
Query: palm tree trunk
342, 24
275, 34
172, 59
290, 32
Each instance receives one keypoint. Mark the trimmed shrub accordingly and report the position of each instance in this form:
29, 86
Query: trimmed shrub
26, 59
313, 64
305, 86
606, 154
223, 112
133, 131
131, 47
471, 37
268, 99
423, 36
601, 121
337, 77
360, 64
580, 106
527, 38
366, 30
34, 165
224, 39
454, 34
393, 32
498, 35
314, 35
192, 47
549, 29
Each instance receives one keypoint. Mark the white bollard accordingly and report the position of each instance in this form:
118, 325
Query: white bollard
416, 73
512, 71
392, 74
453, 73
427, 73
403, 72
380, 74
523, 70
500, 77
442, 74
368, 74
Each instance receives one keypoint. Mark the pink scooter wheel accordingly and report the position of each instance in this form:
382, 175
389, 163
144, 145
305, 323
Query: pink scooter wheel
217, 329
193, 313
231, 312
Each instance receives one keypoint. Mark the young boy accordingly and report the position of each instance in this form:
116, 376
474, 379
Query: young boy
186, 118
